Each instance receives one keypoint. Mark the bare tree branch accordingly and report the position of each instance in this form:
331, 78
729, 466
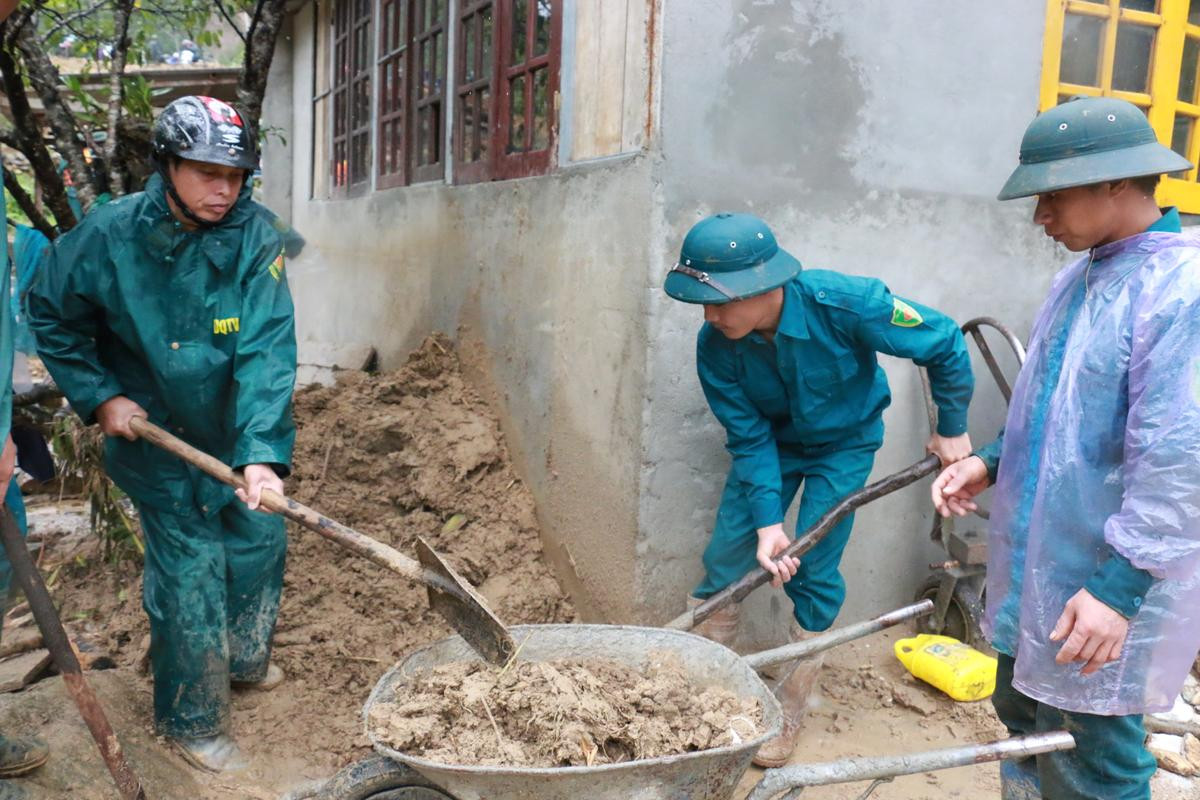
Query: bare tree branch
26, 204
28, 137
228, 18
260, 49
65, 21
116, 93
43, 75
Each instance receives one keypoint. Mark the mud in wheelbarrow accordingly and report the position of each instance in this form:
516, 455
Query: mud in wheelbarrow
703, 775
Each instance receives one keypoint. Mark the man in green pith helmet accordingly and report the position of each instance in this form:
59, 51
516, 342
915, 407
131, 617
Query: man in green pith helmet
787, 360
172, 305
1093, 595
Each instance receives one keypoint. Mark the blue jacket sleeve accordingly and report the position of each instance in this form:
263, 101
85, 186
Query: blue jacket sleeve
264, 368
930, 339
990, 455
748, 435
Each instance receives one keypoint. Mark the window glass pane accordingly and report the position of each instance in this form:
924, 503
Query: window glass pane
468, 40
1131, 67
1081, 50
520, 21
466, 128
1141, 5
426, 68
1187, 71
516, 118
486, 39
439, 58
483, 114
1194, 12
541, 36
541, 109
1181, 134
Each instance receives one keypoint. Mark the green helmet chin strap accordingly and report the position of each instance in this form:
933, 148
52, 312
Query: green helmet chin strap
704, 278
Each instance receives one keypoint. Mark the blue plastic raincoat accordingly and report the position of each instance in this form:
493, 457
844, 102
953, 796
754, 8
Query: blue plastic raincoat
1099, 470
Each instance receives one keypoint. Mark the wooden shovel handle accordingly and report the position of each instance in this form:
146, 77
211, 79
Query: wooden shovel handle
378, 552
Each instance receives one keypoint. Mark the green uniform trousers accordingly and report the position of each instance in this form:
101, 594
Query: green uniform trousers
1109, 762
211, 588
818, 589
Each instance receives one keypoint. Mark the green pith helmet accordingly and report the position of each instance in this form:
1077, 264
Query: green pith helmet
729, 257
1088, 140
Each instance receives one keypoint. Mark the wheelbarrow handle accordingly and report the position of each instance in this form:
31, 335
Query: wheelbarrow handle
795, 778
387, 557
850, 503
826, 641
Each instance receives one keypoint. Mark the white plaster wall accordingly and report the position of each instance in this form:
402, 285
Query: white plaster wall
873, 137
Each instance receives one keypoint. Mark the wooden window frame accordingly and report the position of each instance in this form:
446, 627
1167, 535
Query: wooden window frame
392, 110
438, 32
1160, 102
500, 163
477, 170
351, 31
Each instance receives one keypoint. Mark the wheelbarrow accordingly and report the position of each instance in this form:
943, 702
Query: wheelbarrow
957, 584
703, 775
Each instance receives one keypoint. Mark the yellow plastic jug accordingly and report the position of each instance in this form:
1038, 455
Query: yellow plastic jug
960, 671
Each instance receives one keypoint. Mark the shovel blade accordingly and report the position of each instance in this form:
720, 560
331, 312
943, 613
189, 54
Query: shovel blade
467, 613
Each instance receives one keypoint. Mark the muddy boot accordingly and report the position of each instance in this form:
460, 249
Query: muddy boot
722, 626
218, 753
271, 680
21, 754
792, 691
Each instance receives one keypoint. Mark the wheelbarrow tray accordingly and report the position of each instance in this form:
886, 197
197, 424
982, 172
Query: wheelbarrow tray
703, 775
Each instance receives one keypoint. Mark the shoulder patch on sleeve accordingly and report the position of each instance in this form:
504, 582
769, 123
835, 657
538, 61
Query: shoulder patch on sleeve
904, 315
276, 268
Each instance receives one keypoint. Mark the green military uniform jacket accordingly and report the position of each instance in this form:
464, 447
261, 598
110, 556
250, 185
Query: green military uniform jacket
195, 326
819, 384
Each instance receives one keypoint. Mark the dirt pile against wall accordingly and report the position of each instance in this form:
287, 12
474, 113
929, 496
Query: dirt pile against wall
394, 455
560, 713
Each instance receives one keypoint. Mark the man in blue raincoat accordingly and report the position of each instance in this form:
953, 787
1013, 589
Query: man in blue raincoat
787, 361
172, 304
1093, 595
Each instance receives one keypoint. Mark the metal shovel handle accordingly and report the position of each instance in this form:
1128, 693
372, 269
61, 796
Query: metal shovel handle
850, 503
387, 557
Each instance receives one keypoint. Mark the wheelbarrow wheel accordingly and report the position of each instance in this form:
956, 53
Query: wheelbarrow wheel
963, 614
380, 778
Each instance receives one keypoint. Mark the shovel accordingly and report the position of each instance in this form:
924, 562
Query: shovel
807, 541
449, 593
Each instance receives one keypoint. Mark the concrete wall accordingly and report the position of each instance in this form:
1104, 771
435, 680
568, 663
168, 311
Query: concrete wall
873, 138
545, 279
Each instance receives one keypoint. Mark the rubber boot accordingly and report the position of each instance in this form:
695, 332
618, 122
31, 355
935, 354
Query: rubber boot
793, 692
722, 626
21, 754
271, 680
218, 753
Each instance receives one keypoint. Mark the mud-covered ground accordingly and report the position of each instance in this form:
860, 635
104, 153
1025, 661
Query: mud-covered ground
409, 453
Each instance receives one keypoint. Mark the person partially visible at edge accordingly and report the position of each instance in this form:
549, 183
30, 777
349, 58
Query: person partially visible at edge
19, 755
787, 361
172, 305
1093, 588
